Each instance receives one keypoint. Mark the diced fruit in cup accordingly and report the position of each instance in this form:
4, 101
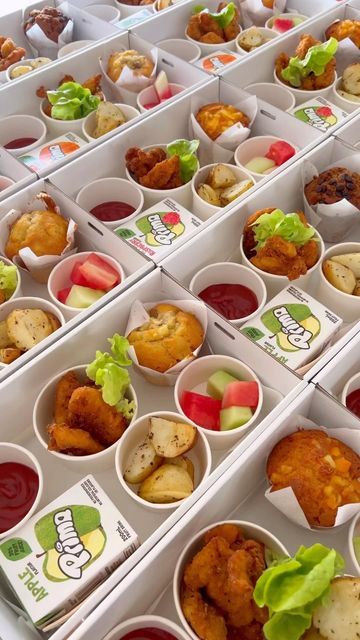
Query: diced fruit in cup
161, 87
218, 382
202, 410
280, 152
98, 273
234, 417
260, 164
283, 24
241, 393
83, 297
63, 294
151, 105
77, 277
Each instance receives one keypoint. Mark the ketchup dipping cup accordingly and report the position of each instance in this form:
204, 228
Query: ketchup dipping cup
13, 453
60, 279
194, 378
354, 532
183, 49
89, 123
145, 622
204, 210
200, 455
256, 147
196, 543
230, 273
43, 416
353, 384
301, 95
276, 95
111, 190
28, 130
5, 183
148, 96
343, 304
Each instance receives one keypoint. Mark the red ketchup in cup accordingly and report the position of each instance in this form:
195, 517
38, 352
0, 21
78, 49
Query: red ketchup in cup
112, 211
148, 633
233, 301
19, 487
18, 143
353, 402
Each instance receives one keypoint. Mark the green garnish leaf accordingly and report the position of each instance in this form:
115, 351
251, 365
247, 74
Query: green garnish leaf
107, 371
288, 226
8, 279
315, 61
186, 150
126, 407
71, 101
199, 8
223, 17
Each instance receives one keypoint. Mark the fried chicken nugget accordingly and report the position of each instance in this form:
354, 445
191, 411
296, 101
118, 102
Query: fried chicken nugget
233, 29
229, 532
164, 175
140, 162
206, 621
306, 41
209, 25
76, 442
88, 411
93, 84
211, 38
194, 29
64, 390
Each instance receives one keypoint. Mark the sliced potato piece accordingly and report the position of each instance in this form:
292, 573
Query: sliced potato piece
339, 617
142, 462
9, 355
169, 483
342, 278
221, 177
55, 323
171, 439
28, 327
251, 39
208, 194
356, 291
108, 116
351, 79
4, 337
230, 194
184, 463
350, 260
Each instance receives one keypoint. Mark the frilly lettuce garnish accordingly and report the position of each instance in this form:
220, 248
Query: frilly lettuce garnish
223, 17
315, 62
288, 226
71, 101
8, 279
108, 372
186, 150
293, 588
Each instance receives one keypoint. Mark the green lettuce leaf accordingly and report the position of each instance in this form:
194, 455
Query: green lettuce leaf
288, 226
223, 17
293, 588
315, 62
107, 371
71, 101
186, 150
8, 279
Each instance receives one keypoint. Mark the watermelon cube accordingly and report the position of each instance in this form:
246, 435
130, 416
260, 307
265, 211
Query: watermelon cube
63, 294
241, 394
202, 410
98, 273
280, 152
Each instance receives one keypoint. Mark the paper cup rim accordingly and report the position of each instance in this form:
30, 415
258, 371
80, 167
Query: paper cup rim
180, 40
69, 45
121, 105
351, 103
240, 267
273, 32
276, 277
110, 225
29, 147
285, 16
21, 63
355, 521
347, 385
344, 296
63, 456
309, 92
9, 263
28, 454
172, 415
271, 85
194, 542
175, 85
113, 262
116, 17
37, 303
228, 361
257, 138
213, 207
146, 619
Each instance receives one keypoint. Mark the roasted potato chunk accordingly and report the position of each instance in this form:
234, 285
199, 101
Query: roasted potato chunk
171, 439
9, 355
169, 483
4, 336
142, 462
221, 177
350, 260
208, 194
342, 278
28, 327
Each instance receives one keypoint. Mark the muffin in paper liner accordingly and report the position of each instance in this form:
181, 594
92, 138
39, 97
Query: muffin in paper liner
139, 315
222, 149
346, 54
285, 500
39, 267
42, 46
128, 85
253, 12
332, 221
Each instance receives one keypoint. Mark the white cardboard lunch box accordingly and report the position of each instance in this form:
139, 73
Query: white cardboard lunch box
336, 373
280, 388
12, 168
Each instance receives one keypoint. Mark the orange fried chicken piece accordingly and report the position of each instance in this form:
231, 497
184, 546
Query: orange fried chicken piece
229, 532
164, 175
211, 38
209, 25
9, 53
93, 83
140, 162
207, 622
66, 78
306, 41
64, 390
76, 442
279, 257
310, 253
88, 411
194, 30
256, 553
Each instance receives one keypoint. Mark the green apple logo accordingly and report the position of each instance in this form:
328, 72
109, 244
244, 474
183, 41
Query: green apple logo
294, 326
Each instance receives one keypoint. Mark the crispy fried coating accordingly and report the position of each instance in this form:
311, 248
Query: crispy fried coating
164, 175
209, 25
211, 38
323, 472
311, 82
9, 53
208, 623
64, 390
230, 532
194, 29
88, 411
76, 442
204, 28
342, 29
140, 162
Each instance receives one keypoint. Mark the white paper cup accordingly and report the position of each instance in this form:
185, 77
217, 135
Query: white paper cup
71, 47
105, 12
347, 105
149, 95
184, 49
43, 416
109, 190
352, 385
277, 95
60, 279
230, 273
207, 49
60, 127
128, 10
144, 622
196, 543
269, 34
204, 210
344, 305
5, 183
28, 62
200, 455
303, 96
89, 123
21, 126
10, 452
194, 378
354, 532
269, 24
253, 148
18, 292
274, 284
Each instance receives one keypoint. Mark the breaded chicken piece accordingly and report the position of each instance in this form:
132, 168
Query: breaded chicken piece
230, 532
209, 25
310, 253
306, 41
140, 162
311, 82
211, 38
164, 175
194, 29
206, 621
76, 442
342, 29
93, 84
88, 411
280, 257
64, 390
